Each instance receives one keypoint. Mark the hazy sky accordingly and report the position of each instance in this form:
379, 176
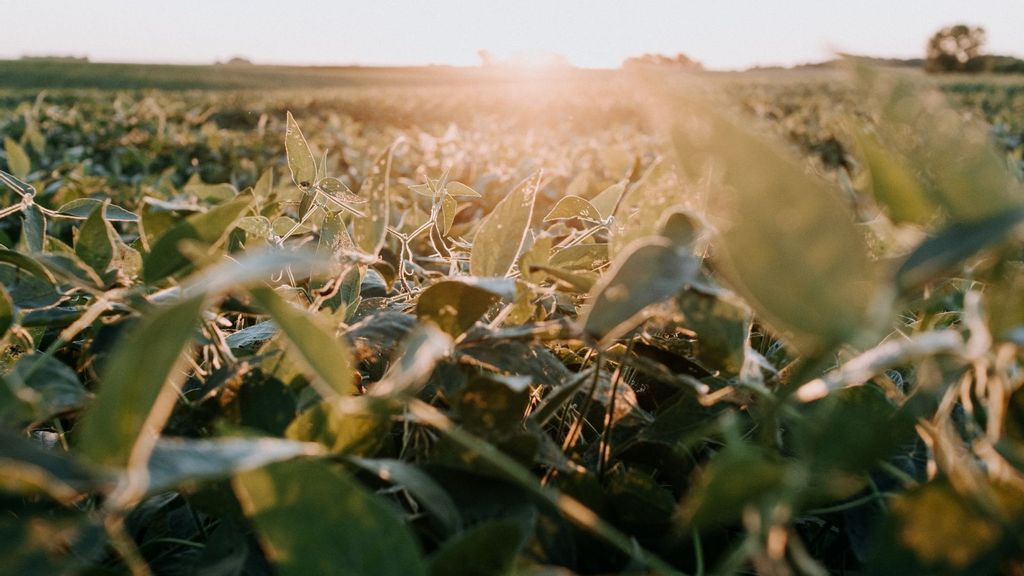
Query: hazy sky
597, 33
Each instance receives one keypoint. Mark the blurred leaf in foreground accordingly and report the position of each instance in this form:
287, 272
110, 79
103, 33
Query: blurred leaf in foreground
353, 534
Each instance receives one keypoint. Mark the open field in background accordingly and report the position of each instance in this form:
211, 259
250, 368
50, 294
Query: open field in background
400, 349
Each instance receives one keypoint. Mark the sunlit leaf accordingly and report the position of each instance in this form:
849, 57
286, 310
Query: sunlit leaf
17, 159
341, 432
454, 305
460, 190
573, 207
300, 158
323, 353
370, 231
606, 202
954, 160
337, 190
501, 235
210, 192
449, 208
580, 257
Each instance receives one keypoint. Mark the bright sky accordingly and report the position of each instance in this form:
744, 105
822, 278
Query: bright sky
593, 33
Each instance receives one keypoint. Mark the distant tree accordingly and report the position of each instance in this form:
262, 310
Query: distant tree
956, 49
486, 58
679, 60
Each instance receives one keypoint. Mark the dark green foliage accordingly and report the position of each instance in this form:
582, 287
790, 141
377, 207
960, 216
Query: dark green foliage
466, 331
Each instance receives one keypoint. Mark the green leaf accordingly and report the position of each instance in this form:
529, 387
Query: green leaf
736, 478
305, 205
300, 158
425, 489
17, 160
649, 273
33, 229
370, 231
21, 187
894, 184
573, 207
95, 242
29, 467
771, 216
264, 186
722, 326
83, 207
175, 461
136, 397
355, 534
953, 245
955, 161
455, 305
340, 431
165, 258
210, 192
46, 386
6, 311
26, 263
419, 353
935, 529
322, 353
487, 548
501, 235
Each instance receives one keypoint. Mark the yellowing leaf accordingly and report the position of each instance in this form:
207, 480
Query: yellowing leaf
573, 207
17, 160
